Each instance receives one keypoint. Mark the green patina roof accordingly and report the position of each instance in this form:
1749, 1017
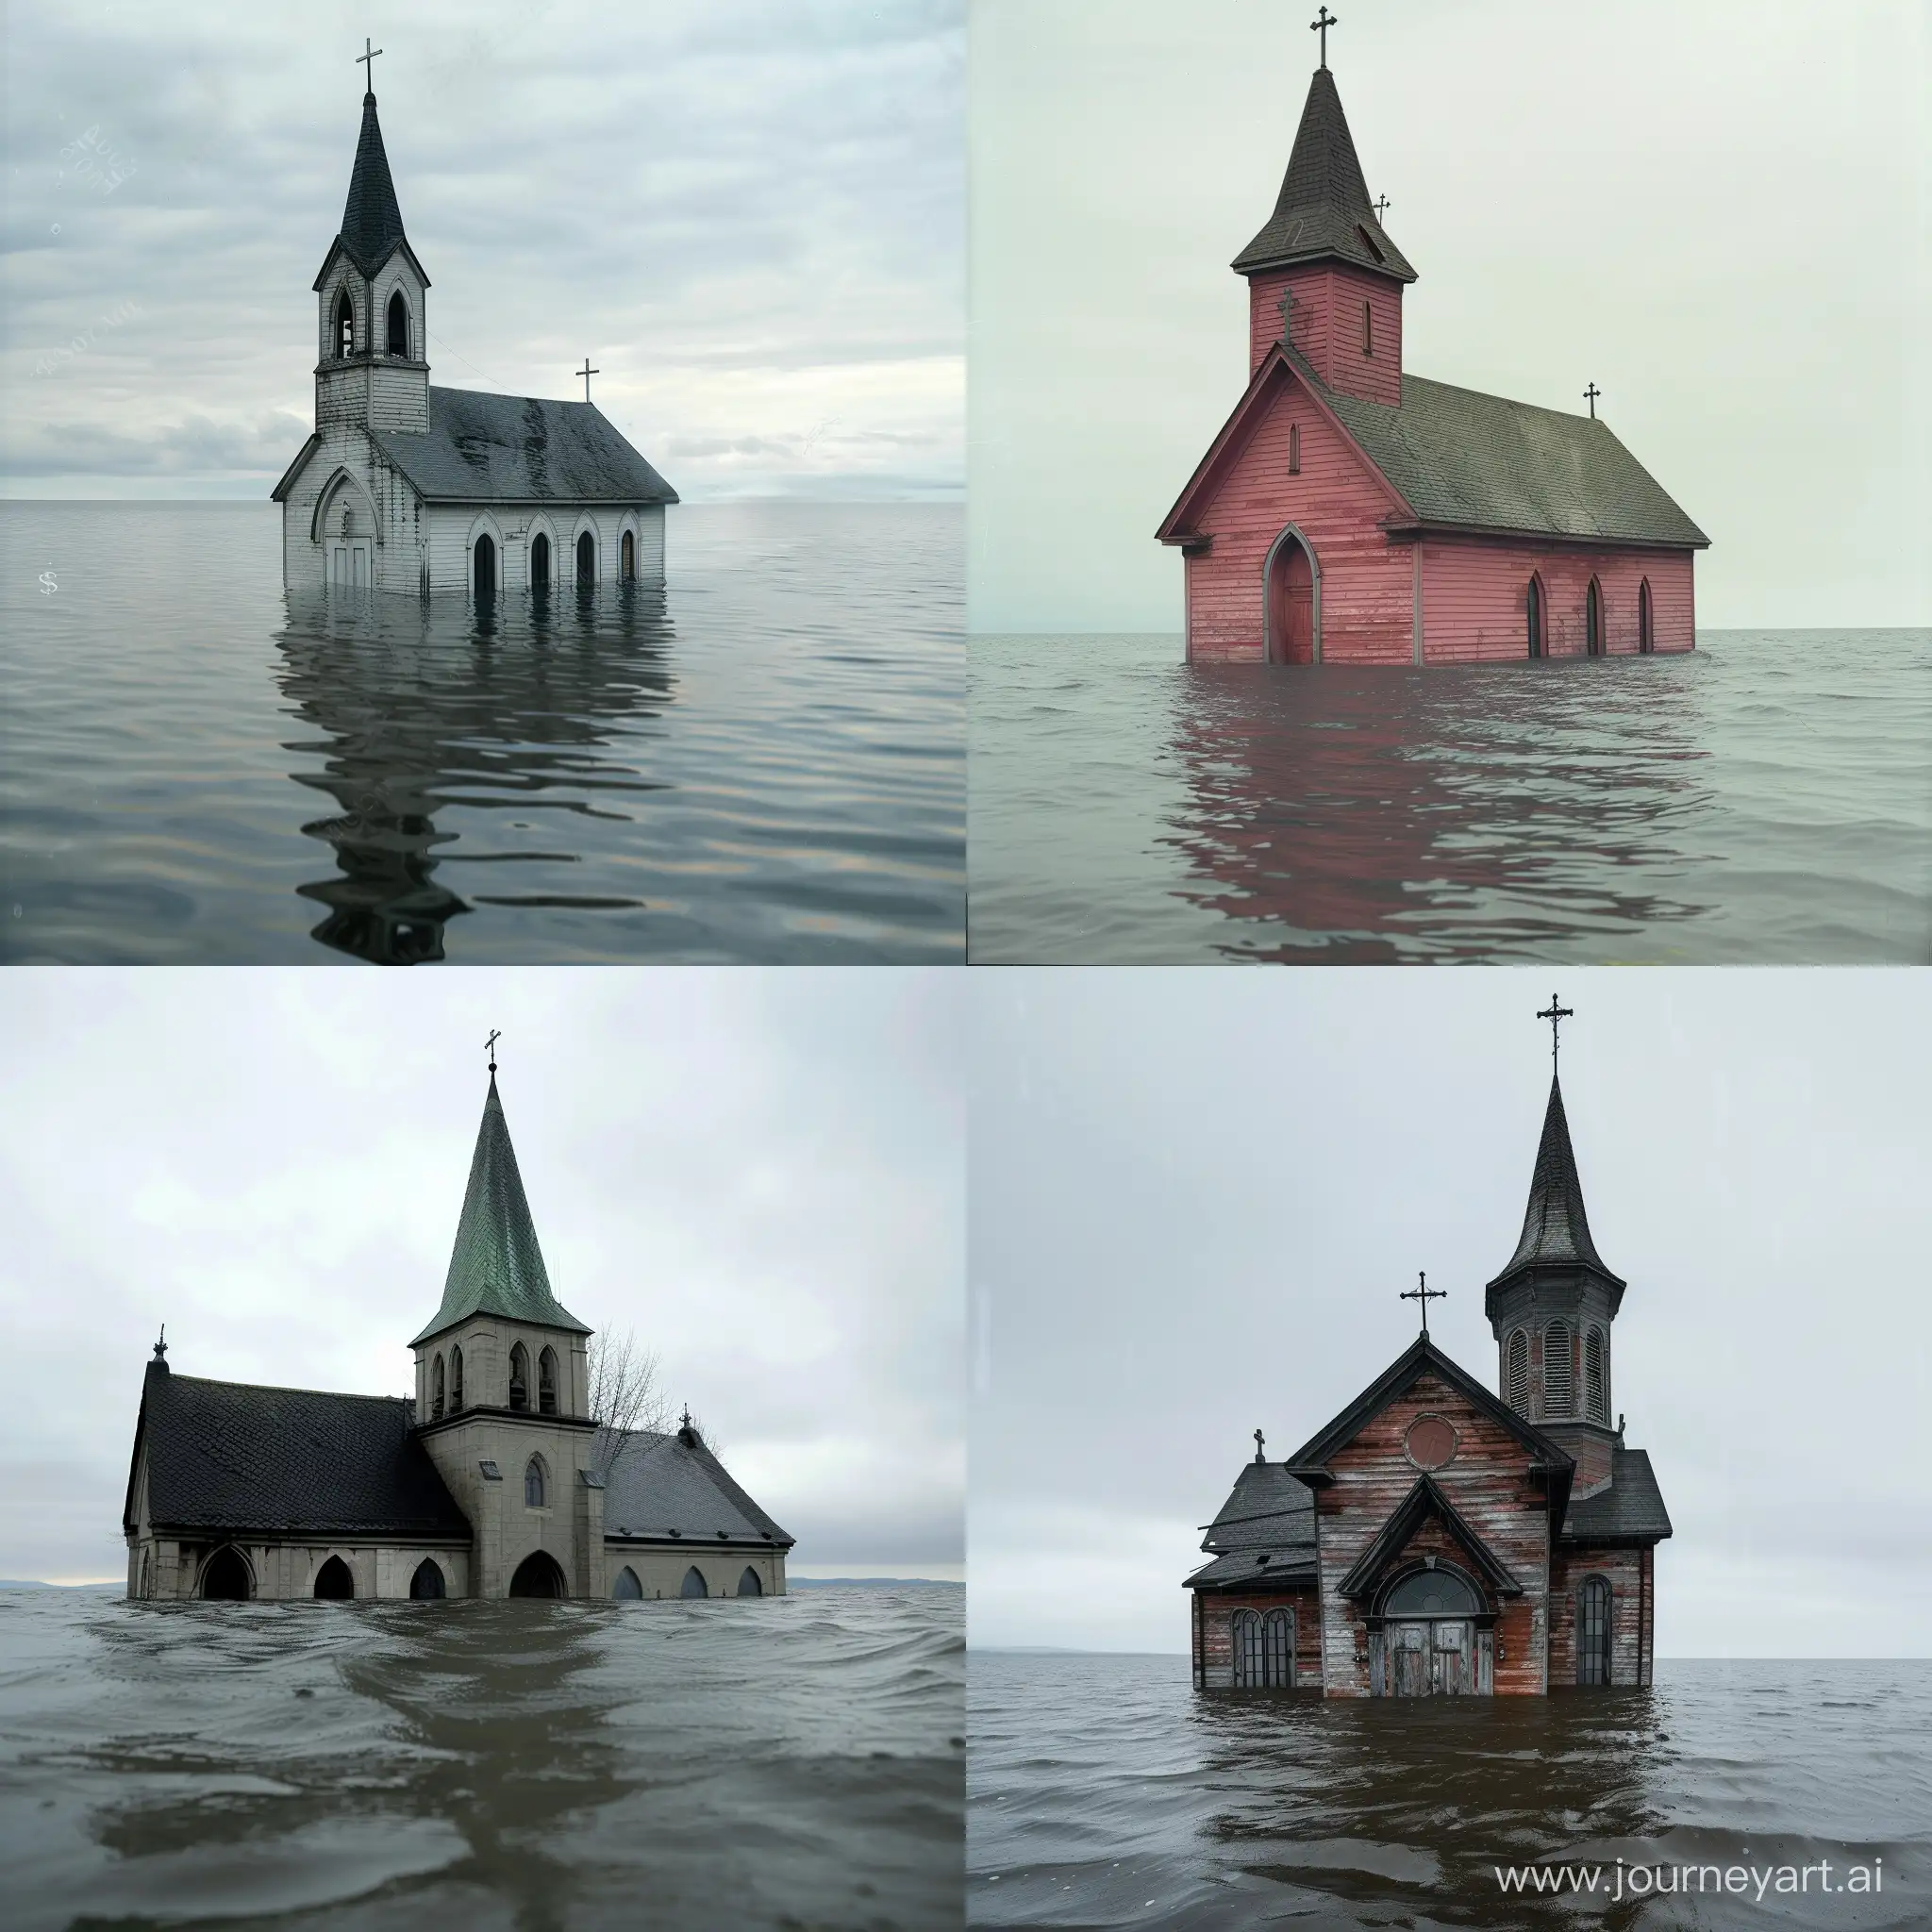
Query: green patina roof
496, 1267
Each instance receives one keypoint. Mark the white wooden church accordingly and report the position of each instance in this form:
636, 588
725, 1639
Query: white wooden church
407, 487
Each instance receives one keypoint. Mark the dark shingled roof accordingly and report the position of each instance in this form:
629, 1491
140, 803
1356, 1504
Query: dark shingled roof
1631, 1509
1268, 1514
1555, 1231
227, 1456
483, 448
1322, 211
672, 1482
372, 222
496, 1267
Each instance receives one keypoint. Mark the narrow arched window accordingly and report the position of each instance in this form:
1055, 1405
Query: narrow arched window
748, 1584
1245, 1634
546, 1382
1593, 1631
1596, 1397
693, 1584
345, 326
1367, 329
519, 1377
1294, 449
587, 560
455, 1379
1277, 1650
1646, 640
426, 1584
626, 1588
398, 325
1593, 620
436, 1391
1516, 1374
539, 563
1559, 1370
1534, 606
333, 1581
533, 1483
628, 554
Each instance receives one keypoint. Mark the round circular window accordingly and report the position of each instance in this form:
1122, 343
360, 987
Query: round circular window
1430, 1442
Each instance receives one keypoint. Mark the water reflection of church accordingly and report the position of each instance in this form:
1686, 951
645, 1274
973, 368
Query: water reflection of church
1437, 1539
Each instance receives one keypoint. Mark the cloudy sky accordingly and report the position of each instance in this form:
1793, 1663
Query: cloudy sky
1197, 1193
749, 214
760, 1172
1716, 212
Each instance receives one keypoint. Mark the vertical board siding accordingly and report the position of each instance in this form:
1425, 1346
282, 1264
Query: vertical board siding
1214, 1634
1325, 325
1623, 1569
1476, 599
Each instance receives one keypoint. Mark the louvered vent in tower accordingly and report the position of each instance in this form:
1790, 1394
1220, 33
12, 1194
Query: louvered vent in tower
1559, 1370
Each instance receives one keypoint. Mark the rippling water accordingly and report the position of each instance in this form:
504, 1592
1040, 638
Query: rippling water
1104, 1790
791, 1762
764, 762
1767, 798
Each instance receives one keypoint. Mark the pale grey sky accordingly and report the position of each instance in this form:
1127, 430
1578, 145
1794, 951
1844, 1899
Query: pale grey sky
1716, 212
750, 215
1196, 1195
760, 1173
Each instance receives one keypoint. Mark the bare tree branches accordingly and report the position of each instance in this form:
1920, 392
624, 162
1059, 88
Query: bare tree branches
624, 1395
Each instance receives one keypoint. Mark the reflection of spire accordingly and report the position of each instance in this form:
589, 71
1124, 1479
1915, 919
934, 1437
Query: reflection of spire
413, 712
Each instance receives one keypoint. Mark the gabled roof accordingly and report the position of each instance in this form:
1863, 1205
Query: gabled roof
1457, 460
229, 1457
496, 1267
672, 1482
1322, 211
371, 226
484, 448
1264, 1536
1422, 1358
1556, 1230
1425, 1500
1629, 1509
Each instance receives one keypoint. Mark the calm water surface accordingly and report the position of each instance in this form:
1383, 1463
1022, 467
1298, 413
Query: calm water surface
1106, 1791
792, 1762
764, 762
1767, 798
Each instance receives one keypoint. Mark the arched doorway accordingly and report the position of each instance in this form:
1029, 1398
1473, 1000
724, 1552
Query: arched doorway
539, 564
1593, 1632
1593, 620
586, 561
693, 1584
225, 1576
748, 1584
1290, 602
1430, 1635
334, 1582
426, 1585
1534, 608
627, 1588
486, 568
1646, 642
629, 553
538, 1575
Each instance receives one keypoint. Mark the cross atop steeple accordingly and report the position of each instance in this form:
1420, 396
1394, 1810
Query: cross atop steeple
1556, 1015
1260, 1440
587, 371
1381, 205
489, 1047
367, 58
1423, 1293
1320, 26
1589, 395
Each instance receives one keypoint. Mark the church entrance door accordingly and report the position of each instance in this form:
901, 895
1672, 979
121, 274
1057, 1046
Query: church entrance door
1431, 1659
1291, 605
348, 564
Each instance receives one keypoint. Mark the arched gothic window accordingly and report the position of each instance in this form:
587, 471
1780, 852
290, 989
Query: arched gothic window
546, 1382
426, 1585
1294, 449
626, 1586
1516, 1374
1593, 620
1534, 603
398, 325
1596, 1394
1249, 1667
693, 1584
1593, 1631
333, 1581
1559, 1370
1277, 1650
1646, 640
748, 1584
455, 1379
1368, 330
436, 1391
628, 553
519, 1377
587, 560
345, 326
533, 1483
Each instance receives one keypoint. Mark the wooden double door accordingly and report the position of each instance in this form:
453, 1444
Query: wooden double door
1438, 1658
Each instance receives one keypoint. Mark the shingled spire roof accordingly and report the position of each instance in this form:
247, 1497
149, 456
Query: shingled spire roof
496, 1267
1555, 1231
372, 222
1323, 212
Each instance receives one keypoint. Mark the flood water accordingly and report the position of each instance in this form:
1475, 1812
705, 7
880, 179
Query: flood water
1767, 798
794, 1762
763, 762
1104, 1790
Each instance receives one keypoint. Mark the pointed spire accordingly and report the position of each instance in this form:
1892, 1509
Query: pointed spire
372, 222
1324, 211
1556, 1230
496, 1267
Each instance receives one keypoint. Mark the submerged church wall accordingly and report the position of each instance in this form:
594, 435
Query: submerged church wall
162, 1568
1476, 599
1213, 1636
1627, 1573
660, 1568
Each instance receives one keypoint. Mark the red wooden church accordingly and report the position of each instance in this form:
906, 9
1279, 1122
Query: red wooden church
1434, 1538
1350, 512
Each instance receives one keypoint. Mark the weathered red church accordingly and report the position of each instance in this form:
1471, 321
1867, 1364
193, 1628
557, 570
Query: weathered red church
1437, 1539
1350, 512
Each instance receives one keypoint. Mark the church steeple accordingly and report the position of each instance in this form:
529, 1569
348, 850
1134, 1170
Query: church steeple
1556, 1229
372, 222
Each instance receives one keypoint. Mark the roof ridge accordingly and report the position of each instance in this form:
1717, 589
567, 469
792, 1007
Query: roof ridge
1489, 395
176, 1377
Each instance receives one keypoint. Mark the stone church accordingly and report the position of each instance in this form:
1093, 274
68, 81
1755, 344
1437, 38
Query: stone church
407, 486
493, 1480
1349, 512
1435, 1538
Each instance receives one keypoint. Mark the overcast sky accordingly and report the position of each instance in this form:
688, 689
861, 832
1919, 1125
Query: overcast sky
1197, 1193
1716, 212
749, 214
760, 1172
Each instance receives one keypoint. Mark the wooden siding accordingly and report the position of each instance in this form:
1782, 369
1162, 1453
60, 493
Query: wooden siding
1490, 1485
1214, 1637
1475, 598
1623, 1569
1327, 326
1366, 585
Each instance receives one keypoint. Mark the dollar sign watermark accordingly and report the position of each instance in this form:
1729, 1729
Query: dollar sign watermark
47, 584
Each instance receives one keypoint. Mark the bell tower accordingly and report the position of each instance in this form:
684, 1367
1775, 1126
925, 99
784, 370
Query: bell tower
1553, 1306
373, 363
